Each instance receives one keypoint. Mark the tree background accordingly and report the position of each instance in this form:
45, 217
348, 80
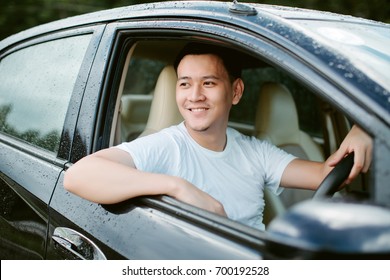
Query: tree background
18, 15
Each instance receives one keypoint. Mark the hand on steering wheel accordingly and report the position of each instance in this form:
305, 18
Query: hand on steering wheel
335, 178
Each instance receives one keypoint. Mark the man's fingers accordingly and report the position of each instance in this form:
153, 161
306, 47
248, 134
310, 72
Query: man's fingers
367, 161
358, 166
336, 157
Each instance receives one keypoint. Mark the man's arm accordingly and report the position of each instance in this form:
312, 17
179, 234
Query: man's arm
304, 174
107, 176
110, 176
308, 175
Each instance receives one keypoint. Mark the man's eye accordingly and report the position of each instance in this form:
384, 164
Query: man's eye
209, 83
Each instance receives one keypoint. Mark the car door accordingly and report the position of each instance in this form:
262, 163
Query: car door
143, 228
40, 88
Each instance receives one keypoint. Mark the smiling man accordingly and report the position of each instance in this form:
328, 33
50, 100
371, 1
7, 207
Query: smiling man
205, 93
202, 161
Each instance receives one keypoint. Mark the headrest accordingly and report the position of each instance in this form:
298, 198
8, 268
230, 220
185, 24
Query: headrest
164, 111
276, 115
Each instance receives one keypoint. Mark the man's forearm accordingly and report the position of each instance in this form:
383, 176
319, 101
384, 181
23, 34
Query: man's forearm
104, 181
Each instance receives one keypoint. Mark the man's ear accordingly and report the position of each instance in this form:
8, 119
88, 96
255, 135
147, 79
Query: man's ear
238, 90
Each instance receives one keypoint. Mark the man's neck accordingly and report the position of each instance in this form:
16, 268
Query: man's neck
208, 139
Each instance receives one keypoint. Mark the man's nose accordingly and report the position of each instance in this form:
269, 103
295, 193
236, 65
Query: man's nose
196, 94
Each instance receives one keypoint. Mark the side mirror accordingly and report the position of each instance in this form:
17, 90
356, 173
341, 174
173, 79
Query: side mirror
325, 229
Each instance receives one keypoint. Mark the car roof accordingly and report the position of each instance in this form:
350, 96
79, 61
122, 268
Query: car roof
290, 25
186, 9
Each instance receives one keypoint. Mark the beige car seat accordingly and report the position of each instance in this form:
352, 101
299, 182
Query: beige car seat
163, 111
277, 121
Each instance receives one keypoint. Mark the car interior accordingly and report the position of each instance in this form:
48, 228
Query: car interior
285, 112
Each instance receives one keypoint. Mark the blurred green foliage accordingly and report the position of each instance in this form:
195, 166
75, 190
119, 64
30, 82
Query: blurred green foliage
18, 15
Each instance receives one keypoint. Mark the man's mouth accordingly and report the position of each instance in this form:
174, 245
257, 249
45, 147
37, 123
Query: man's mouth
198, 109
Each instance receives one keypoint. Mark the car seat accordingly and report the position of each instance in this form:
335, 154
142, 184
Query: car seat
277, 121
163, 111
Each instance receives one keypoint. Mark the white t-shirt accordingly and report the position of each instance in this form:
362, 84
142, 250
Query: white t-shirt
236, 176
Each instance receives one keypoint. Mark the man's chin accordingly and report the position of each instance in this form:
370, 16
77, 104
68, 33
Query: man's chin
196, 127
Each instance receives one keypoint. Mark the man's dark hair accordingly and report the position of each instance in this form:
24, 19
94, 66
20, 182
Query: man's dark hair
228, 57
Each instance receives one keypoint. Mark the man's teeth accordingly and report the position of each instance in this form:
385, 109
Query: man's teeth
198, 109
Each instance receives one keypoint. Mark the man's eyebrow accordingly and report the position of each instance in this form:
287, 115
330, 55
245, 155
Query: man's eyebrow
184, 78
211, 77
203, 78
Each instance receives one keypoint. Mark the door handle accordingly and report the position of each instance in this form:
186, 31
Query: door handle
76, 245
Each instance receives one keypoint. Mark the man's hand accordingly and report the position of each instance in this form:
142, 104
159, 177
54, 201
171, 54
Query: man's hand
359, 142
188, 193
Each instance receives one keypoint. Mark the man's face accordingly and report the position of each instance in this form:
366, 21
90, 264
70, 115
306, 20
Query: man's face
204, 93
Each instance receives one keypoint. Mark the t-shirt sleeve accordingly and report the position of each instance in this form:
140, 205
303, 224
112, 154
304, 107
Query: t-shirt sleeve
276, 161
150, 153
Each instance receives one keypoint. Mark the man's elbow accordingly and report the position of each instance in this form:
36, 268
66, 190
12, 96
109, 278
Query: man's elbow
70, 180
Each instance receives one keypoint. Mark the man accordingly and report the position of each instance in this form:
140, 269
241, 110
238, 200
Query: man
201, 161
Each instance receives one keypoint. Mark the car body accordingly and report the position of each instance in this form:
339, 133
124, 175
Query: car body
65, 92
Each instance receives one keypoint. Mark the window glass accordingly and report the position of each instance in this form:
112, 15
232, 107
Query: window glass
142, 76
35, 89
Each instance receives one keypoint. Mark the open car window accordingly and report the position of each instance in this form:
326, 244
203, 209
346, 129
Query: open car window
272, 101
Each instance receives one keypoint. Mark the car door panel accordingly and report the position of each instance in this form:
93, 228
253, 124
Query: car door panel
26, 184
133, 230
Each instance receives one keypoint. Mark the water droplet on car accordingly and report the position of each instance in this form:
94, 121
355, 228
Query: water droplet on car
348, 75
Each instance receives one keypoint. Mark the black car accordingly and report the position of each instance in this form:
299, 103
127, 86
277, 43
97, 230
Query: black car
81, 84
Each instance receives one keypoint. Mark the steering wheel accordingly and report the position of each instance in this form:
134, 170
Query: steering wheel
335, 178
